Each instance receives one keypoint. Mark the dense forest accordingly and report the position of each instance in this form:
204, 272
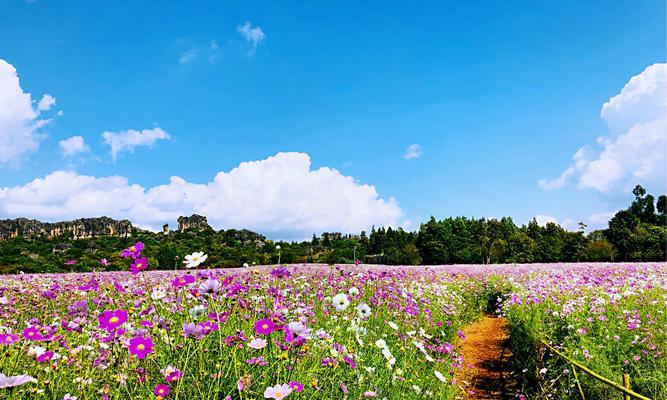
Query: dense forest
638, 233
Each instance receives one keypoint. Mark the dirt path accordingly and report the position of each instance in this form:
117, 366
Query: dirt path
486, 372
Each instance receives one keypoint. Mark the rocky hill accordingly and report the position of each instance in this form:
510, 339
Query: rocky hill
82, 228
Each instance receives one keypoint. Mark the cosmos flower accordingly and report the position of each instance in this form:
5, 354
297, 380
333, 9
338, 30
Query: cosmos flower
161, 390
141, 347
171, 374
353, 291
265, 326
133, 251
7, 339
12, 381
138, 265
363, 310
209, 286
257, 344
340, 302
33, 333
182, 281
277, 392
70, 262
296, 386
195, 259
104, 262
110, 320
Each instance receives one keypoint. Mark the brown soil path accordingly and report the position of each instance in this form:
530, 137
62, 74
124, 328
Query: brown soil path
486, 373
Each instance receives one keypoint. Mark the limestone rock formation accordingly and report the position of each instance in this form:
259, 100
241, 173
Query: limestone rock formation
82, 228
195, 221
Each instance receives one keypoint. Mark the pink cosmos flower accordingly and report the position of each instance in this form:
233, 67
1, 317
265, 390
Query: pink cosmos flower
139, 265
111, 320
265, 326
257, 344
277, 392
33, 333
45, 357
141, 347
182, 281
70, 262
171, 374
133, 251
296, 386
161, 390
7, 339
104, 262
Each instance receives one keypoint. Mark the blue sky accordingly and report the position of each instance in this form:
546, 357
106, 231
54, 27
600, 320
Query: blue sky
497, 95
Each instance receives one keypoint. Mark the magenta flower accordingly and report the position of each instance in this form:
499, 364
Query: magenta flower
141, 347
161, 390
172, 374
110, 320
8, 338
265, 326
133, 251
139, 265
33, 333
296, 386
104, 262
70, 262
45, 357
182, 281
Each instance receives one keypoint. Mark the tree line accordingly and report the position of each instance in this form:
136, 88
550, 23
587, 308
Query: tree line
638, 233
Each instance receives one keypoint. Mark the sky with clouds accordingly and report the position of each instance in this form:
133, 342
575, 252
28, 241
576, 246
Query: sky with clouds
294, 118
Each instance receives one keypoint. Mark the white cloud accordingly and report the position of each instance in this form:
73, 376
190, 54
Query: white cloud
543, 219
129, 139
253, 34
188, 56
413, 151
635, 151
19, 121
46, 102
280, 195
73, 146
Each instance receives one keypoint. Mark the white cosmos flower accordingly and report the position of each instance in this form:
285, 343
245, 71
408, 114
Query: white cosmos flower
340, 301
439, 375
353, 291
364, 310
193, 260
245, 265
197, 311
158, 293
278, 247
11, 381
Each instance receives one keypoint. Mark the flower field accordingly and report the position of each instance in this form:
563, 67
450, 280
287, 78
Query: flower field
319, 332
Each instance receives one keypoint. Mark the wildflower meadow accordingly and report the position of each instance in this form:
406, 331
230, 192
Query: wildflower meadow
321, 331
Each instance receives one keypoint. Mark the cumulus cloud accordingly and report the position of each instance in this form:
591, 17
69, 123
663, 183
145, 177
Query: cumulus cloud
252, 34
280, 195
543, 219
46, 102
413, 151
19, 121
635, 151
73, 146
130, 139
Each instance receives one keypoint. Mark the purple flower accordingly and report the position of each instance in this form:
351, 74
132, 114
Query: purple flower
70, 262
8, 338
110, 320
141, 347
33, 333
296, 386
104, 262
182, 281
45, 357
209, 286
133, 251
161, 390
138, 265
265, 326
280, 272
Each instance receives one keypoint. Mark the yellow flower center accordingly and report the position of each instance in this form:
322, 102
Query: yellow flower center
279, 395
31, 333
265, 326
141, 347
133, 249
113, 320
8, 339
